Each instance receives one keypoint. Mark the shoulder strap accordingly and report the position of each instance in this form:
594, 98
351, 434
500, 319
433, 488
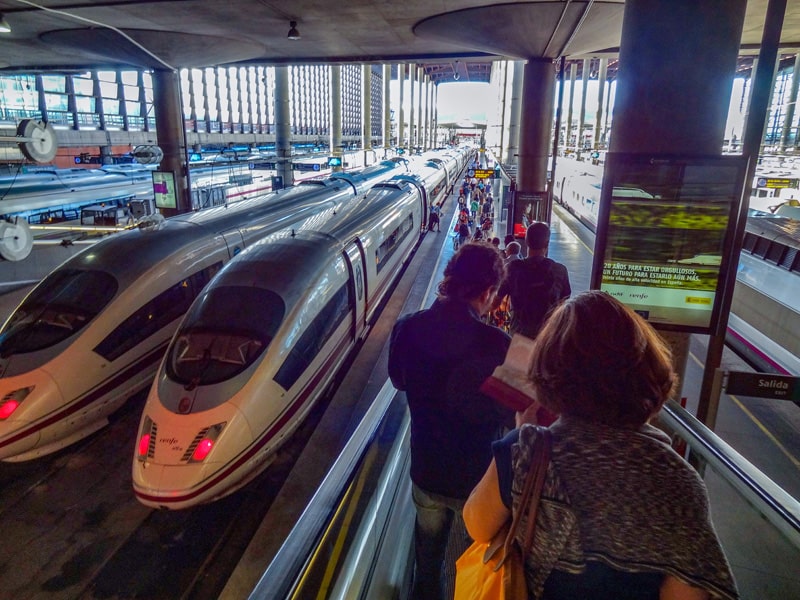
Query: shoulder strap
532, 491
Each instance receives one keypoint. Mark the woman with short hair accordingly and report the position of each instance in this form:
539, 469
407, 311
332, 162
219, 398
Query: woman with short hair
622, 516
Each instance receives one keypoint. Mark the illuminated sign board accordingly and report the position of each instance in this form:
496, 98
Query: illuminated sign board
334, 161
481, 173
164, 189
776, 183
665, 236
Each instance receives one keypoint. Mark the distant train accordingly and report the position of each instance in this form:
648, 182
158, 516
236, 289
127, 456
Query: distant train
263, 341
92, 333
50, 189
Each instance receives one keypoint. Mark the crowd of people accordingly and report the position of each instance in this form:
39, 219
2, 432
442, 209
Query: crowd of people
622, 515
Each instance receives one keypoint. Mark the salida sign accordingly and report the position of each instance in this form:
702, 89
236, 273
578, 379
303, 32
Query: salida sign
763, 385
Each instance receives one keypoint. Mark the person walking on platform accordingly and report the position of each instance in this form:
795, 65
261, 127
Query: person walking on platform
463, 232
622, 516
433, 219
535, 284
439, 357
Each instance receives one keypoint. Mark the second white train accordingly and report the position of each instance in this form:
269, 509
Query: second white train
261, 344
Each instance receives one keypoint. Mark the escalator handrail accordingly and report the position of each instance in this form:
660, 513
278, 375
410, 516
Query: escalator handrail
767, 497
279, 577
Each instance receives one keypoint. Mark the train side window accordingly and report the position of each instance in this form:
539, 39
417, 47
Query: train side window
385, 251
158, 312
314, 338
359, 276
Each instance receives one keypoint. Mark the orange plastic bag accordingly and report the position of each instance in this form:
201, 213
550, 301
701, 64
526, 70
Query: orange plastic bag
483, 574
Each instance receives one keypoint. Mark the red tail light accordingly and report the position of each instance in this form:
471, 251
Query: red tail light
202, 450
6, 409
144, 444
11, 401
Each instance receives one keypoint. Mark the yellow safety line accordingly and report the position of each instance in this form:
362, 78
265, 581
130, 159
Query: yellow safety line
766, 431
350, 499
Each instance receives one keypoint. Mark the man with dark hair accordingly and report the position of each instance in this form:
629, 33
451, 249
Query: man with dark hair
439, 357
535, 284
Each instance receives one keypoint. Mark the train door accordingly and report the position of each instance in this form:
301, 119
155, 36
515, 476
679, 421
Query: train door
423, 193
234, 241
358, 286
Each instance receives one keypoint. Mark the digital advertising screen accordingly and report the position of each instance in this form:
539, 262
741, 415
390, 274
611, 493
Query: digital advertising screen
164, 189
665, 236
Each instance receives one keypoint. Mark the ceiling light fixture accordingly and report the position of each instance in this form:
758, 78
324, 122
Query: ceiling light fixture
293, 33
4, 26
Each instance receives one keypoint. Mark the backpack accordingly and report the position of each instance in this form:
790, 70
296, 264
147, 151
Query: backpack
463, 230
536, 291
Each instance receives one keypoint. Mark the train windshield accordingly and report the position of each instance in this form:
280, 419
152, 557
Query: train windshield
223, 334
60, 306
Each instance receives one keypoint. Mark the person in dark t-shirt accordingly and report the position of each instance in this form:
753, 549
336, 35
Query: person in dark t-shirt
535, 285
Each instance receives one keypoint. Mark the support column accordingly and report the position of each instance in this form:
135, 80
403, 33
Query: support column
336, 114
425, 97
192, 102
240, 98
260, 86
512, 152
366, 111
573, 74
218, 98
171, 136
789, 119
538, 95
207, 114
72, 107
598, 122
684, 108
387, 108
503, 112
283, 135
401, 119
435, 114
41, 98
582, 112
143, 112
420, 75
97, 94
773, 83
412, 77
431, 131
123, 105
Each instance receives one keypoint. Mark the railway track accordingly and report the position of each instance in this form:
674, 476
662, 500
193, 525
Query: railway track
73, 528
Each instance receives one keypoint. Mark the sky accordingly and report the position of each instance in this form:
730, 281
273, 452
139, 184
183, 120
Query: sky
466, 102
458, 101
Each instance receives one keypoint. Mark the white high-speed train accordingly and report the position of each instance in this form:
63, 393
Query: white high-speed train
57, 188
262, 343
92, 333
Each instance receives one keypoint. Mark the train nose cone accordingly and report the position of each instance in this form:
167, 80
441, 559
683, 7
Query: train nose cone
26, 404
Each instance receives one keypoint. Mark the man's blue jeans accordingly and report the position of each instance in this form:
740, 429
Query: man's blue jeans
435, 515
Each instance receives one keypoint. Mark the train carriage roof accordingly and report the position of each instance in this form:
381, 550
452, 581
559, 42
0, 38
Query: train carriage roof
287, 265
